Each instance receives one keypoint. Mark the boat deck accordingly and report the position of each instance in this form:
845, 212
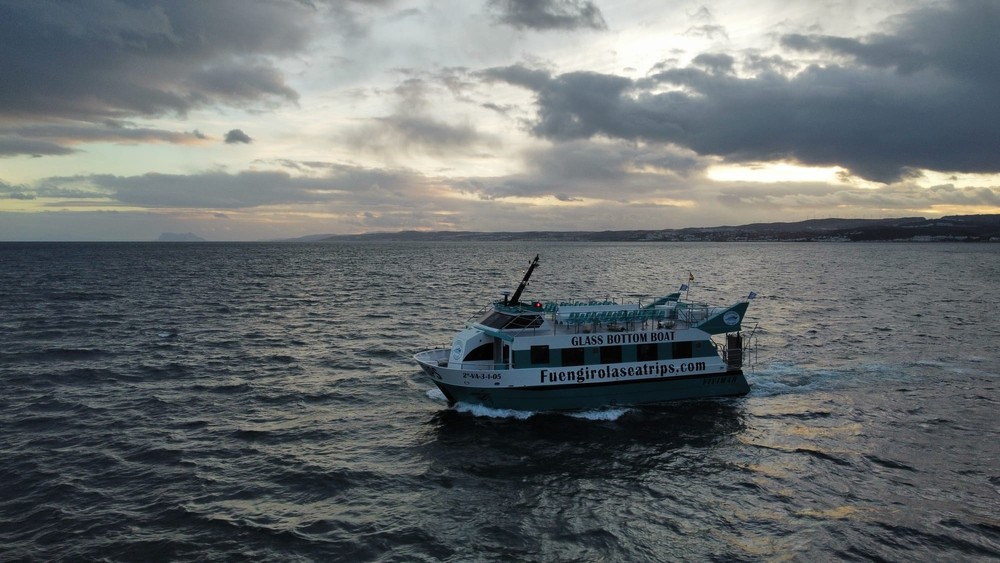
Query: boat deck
594, 317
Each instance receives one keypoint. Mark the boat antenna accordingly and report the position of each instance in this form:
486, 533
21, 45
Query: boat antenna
524, 283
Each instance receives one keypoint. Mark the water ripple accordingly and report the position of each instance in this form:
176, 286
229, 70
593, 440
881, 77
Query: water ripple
225, 402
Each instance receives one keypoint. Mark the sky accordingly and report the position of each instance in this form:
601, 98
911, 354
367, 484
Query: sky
269, 119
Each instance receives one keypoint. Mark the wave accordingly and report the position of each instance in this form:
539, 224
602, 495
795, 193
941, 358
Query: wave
778, 378
608, 414
284, 418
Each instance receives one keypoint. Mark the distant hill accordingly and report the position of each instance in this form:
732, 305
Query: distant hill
971, 228
180, 237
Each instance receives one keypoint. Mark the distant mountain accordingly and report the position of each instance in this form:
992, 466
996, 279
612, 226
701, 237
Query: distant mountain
180, 237
972, 228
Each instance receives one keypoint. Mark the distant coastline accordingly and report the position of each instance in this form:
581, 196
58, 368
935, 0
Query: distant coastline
956, 228
180, 237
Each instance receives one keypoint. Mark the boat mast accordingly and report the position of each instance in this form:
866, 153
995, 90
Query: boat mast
524, 282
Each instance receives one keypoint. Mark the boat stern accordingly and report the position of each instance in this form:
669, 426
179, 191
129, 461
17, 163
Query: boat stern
725, 320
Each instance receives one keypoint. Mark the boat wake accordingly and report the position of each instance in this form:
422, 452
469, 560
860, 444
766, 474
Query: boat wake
608, 414
780, 378
603, 414
487, 412
435, 394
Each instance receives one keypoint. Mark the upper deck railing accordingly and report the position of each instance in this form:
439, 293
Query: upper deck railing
595, 316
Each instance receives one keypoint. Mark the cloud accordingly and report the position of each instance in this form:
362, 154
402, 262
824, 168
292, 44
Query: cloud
957, 40
412, 128
58, 138
235, 136
220, 191
9, 191
212, 190
896, 199
239, 82
100, 59
414, 133
428, 139
909, 101
545, 15
596, 170
716, 63
709, 30
14, 146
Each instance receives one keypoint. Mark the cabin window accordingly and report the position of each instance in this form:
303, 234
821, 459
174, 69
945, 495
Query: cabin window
572, 356
611, 354
526, 321
646, 353
539, 355
496, 320
480, 353
503, 320
682, 350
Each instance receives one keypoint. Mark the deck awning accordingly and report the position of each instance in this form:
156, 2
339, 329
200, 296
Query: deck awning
493, 332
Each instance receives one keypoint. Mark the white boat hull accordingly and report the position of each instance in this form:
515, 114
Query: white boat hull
583, 387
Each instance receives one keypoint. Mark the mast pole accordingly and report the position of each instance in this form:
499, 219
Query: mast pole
514, 300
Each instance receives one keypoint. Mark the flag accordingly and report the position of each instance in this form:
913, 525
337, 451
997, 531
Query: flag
752, 295
684, 287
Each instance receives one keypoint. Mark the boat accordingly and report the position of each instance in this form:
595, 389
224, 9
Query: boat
579, 355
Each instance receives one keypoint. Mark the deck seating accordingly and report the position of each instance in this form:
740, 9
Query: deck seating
619, 319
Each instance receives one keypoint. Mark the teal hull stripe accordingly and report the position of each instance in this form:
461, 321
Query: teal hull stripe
600, 395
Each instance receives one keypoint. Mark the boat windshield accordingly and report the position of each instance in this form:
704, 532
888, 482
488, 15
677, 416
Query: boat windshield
503, 320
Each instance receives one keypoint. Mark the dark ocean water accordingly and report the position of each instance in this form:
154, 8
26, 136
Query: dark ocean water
227, 402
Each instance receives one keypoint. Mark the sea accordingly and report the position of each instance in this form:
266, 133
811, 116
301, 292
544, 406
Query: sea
259, 402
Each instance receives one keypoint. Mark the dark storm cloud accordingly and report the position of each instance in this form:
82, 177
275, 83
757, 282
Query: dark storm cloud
91, 60
958, 40
548, 14
923, 97
235, 136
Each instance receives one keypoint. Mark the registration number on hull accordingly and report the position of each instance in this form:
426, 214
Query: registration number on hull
721, 380
482, 376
